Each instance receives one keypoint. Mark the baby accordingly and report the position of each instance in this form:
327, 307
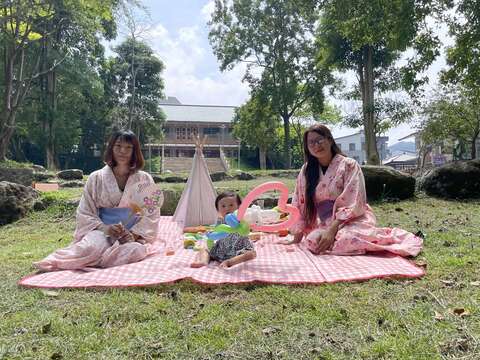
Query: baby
232, 249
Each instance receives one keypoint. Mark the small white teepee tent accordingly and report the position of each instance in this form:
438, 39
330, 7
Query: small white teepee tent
197, 204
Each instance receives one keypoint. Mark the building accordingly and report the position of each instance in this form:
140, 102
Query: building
441, 152
183, 123
354, 146
402, 162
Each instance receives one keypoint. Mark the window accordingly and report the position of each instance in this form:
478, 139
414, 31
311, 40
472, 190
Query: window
185, 133
181, 133
351, 147
339, 146
364, 147
211, 131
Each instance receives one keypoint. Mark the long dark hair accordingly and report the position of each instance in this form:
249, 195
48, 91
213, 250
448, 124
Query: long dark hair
312, 170
137, 161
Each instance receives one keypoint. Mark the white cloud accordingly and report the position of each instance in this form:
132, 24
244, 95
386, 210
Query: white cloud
184, 56
207, 10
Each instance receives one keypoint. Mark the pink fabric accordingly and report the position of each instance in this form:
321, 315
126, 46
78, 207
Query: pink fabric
90, 246
277, 264
344, 183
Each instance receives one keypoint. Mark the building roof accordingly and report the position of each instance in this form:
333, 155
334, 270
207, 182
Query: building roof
400, 158
360, 132
198, 113
409, 136
171, 100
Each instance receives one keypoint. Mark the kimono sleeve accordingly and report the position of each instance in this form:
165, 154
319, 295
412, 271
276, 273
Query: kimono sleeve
298, 201
87, 212
147, 227
352, 201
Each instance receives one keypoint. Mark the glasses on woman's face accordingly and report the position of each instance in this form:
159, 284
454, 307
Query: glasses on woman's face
318, 141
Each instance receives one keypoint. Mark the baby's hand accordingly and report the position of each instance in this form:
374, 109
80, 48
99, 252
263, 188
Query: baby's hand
225, 264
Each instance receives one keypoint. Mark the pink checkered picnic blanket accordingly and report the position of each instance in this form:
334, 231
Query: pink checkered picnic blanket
275, 264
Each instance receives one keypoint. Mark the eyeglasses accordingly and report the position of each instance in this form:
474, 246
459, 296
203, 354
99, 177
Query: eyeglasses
317, 141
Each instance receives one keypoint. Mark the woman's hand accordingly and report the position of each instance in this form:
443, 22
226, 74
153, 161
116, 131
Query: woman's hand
296, 239
114, 231
327, 238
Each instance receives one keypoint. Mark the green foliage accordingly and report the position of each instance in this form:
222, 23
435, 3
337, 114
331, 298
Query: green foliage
154, 164
255, 124
454, 114
135, 79
12, 164
275, 39
463, 57
368, 37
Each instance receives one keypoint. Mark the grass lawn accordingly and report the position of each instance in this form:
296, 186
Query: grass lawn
377, 319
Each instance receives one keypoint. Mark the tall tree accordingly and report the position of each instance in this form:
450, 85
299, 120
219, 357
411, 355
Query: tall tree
136, 78
21, 23
454, 114
51, 32
368, 37
275, 39
256, 125
463, 57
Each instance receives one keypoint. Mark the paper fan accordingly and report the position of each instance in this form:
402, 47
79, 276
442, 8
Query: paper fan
145, 199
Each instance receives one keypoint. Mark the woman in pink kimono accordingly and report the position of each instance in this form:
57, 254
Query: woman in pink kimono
107, 234
335, 217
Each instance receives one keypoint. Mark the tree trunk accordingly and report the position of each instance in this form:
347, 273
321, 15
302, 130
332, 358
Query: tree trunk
369, 108
51, 155
262, 156
286, 143
474, 147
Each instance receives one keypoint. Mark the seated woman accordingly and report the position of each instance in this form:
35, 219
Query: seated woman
334, 214
106, 234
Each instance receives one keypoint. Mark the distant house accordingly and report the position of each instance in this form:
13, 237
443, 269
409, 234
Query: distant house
354, 146
183, 123
402, 162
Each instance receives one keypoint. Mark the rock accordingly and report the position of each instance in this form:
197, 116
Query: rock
175, 179
22, 176
454, 180
269, 201
289, 174
170, 201
218, 176
40, 205
38, 168
72, 184
157, 178
244, 176
15, 201
42, 176
70, 174
385, 182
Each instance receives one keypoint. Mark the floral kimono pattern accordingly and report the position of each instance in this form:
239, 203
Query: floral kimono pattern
91, 247
340, 194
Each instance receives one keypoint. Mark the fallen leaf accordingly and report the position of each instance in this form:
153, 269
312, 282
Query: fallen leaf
475, 283
448, 282
50, 293
460, 312
398, 209
439, 316
421, 263
270, 330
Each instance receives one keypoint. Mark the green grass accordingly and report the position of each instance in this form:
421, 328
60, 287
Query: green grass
378, 319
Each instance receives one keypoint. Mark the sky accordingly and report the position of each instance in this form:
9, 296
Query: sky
178, 33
